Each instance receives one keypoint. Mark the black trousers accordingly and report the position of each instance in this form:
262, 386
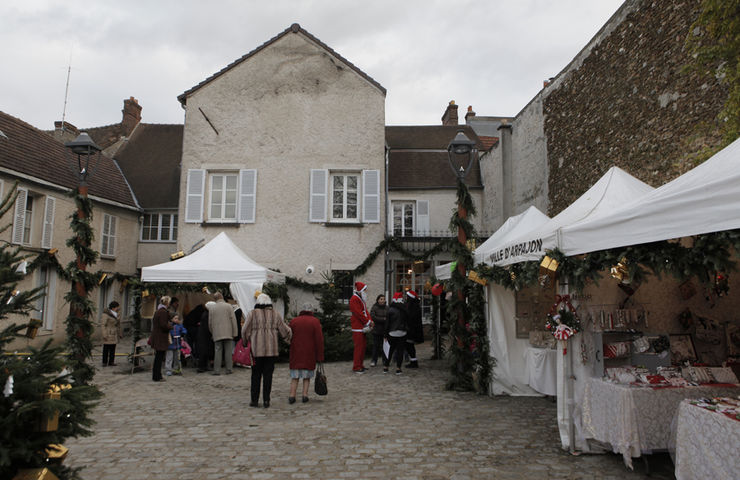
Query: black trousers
378, 348
159, 356
411, 350
397, 349
262, 373
109, 354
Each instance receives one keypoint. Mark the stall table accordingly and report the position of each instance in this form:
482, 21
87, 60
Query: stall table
542, 370
636, 420
706, 444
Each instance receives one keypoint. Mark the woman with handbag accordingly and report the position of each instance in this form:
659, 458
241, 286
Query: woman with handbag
262, 328
306, 348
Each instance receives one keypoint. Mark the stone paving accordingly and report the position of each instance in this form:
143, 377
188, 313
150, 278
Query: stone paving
375, 425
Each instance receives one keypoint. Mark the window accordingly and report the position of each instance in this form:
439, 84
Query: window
105, 296
344, 197
222, 198
27, 220
159, 227
344, 281
341, 196
46, 277
108, 247
403, 219
231, 196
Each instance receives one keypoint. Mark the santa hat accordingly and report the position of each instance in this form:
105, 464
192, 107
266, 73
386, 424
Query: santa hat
359, 286
398, 297
412, 294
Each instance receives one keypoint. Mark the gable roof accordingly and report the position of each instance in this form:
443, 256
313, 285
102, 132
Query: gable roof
34, 153
150, 160
417, 157
295, 28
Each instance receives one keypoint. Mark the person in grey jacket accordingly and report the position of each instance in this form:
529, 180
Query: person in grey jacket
378, 313
222, 324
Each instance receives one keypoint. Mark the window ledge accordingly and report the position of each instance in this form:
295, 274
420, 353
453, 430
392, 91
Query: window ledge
220, 224
107, 257
344, 224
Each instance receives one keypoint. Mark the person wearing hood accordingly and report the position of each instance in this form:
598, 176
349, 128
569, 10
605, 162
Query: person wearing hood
262, 328
361, 323
396, 326
111, 333
416, 330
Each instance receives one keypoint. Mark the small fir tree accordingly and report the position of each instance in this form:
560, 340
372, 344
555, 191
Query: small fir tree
26, 376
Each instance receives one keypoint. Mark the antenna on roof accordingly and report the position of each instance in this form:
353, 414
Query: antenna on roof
66, 92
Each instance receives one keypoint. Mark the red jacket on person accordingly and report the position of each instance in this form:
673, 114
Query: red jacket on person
360, 315
307, 344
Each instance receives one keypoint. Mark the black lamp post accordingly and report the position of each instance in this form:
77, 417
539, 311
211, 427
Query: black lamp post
86, 152
461, 152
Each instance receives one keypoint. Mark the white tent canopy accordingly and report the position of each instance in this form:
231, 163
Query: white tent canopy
218, 261
513, 227
703, 200
609, 193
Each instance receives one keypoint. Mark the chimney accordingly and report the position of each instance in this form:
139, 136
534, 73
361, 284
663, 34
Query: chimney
450, 115
470, 113
131, 115
64, 131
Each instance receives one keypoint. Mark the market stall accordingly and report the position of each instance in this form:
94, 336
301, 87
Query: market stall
218, 261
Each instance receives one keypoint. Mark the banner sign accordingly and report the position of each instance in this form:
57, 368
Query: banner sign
531, 246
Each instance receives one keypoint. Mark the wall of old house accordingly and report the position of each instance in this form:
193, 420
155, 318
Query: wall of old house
289, 108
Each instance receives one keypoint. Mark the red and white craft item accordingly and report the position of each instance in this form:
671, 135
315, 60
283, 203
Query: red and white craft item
562, 331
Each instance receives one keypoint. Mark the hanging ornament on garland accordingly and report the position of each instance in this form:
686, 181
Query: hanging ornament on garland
563, 322
721, 284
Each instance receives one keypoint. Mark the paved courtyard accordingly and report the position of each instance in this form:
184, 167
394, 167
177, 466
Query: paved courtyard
375, 425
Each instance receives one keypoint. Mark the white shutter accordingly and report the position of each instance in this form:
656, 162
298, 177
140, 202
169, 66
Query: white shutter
1, 189
194, 197
422, 217
19, 216
247, 195
48, 230
318, 190
371, 196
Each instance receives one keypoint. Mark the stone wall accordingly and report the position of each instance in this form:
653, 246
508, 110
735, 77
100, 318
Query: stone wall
627, 100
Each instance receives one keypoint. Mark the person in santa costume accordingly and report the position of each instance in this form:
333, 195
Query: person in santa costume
361, 324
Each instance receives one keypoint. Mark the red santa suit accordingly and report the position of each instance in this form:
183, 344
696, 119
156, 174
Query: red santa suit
359, 321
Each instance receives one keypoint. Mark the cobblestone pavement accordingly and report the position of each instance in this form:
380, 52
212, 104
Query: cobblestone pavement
375, 425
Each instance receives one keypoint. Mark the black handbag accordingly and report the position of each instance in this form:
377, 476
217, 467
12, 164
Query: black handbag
319, 384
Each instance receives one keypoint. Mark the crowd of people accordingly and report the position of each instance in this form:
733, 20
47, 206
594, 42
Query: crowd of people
214, 327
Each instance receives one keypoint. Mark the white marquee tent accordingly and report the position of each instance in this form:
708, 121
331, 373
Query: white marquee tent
218, 261
703, 200
615, 188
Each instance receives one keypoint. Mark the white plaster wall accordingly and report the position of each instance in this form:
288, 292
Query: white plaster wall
529, 152
287, 109
442, 204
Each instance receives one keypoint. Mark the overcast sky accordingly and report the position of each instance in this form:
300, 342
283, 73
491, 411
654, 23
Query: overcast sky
493, 55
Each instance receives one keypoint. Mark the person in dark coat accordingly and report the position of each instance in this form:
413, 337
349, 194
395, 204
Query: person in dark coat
416, 331
396, 327
159, 339
192, 319
204, 342
306, 348
378, 313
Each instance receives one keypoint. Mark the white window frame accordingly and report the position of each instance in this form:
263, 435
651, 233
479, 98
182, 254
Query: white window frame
173, 219
345, 175
225, 176
108, 235
46, 277
405, 232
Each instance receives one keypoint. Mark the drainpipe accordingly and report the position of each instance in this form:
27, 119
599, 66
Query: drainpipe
386, 273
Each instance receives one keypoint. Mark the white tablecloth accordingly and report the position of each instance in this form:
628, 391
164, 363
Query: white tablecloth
636, 420
542, 370
706, 444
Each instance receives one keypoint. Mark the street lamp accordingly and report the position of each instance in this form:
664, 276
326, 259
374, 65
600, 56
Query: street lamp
79, 326
461, 153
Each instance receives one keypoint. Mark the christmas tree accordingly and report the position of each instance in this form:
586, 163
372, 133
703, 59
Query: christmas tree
39, 407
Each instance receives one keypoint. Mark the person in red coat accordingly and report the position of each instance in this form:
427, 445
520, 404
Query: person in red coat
306, 348
361, 324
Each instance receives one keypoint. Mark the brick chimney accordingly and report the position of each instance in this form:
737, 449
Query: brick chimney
64, 131
470, 113
131, 115
450, 115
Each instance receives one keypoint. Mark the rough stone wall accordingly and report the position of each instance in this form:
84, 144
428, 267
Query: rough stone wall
628, 101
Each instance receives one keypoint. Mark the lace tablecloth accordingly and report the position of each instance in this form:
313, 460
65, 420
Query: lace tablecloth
636, 420
707, 444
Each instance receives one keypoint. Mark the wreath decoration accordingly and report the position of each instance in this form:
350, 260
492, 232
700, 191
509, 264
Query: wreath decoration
563, 322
